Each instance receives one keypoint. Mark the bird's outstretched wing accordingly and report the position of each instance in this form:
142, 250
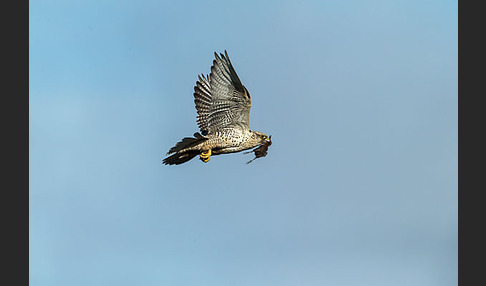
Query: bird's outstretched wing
202, 99
221, 100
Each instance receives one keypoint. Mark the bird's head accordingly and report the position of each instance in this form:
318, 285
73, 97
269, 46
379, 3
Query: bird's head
260, 137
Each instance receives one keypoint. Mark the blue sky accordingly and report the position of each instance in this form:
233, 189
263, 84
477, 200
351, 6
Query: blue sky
358, 188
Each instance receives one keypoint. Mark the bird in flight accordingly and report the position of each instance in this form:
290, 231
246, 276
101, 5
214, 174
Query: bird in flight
223, 116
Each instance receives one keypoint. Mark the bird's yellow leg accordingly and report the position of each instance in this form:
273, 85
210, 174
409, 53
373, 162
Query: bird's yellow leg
205, 156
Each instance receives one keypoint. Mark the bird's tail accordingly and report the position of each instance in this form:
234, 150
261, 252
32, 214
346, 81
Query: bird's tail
179, 158
182, 157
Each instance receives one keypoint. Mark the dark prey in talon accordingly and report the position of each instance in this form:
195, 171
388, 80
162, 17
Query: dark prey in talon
260, 151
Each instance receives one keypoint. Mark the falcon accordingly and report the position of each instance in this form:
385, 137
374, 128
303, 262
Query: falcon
223, 116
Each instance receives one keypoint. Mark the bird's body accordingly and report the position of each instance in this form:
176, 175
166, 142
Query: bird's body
223, 107
227, 141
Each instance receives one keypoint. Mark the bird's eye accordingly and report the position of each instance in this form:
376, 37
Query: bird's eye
264, 136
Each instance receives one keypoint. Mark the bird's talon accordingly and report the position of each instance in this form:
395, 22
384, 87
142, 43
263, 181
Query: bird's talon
205, 156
